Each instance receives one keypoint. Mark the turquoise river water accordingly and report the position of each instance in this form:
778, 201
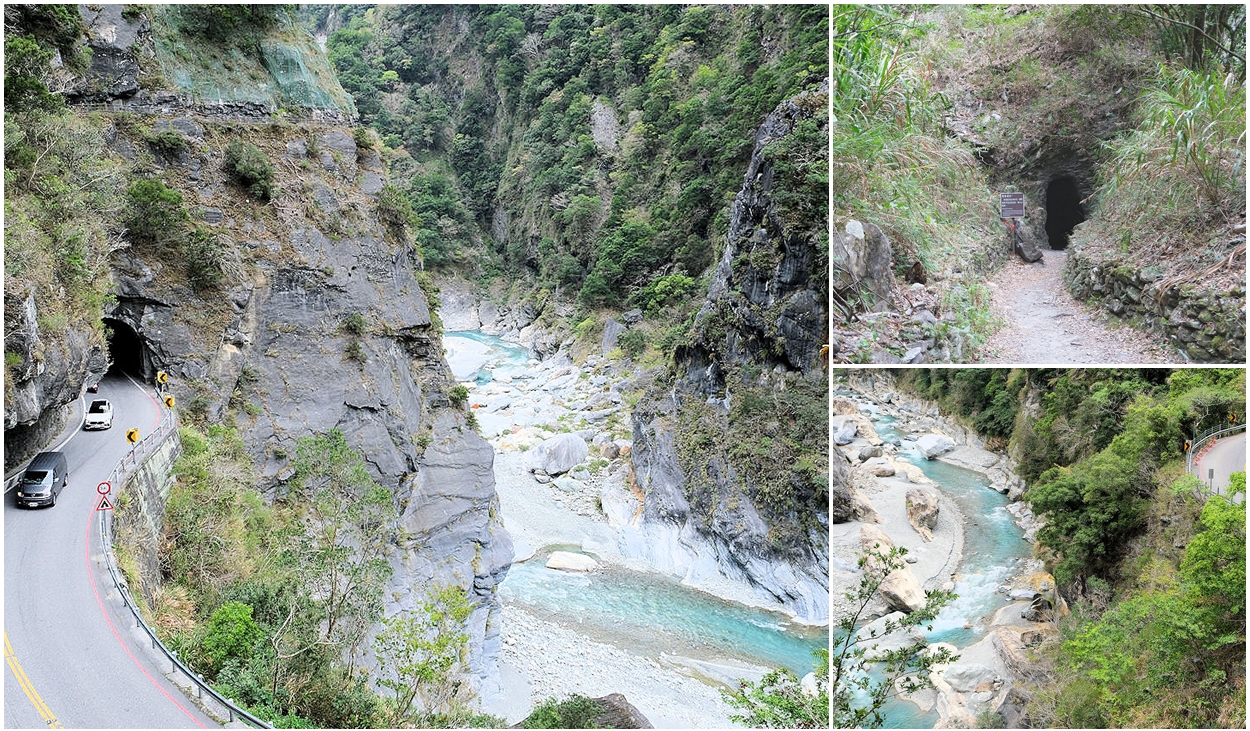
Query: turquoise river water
993, 545
646, 613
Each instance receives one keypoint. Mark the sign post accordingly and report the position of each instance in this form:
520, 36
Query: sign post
1011, 206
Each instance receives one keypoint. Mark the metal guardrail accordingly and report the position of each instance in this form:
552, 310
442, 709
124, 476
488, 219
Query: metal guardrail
125, 468
1198, 444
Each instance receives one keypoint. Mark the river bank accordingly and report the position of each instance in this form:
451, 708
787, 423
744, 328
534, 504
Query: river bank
998, 582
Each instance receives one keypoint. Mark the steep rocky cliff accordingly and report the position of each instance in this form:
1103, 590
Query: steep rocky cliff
718, 445
318, 316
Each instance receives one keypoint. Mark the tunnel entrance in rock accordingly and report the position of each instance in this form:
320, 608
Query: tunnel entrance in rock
127, 352
1063, 211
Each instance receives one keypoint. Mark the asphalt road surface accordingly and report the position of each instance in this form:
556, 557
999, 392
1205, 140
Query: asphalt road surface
72, 655
1226, 457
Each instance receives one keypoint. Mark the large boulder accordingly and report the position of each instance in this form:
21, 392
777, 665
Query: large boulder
863, 262
1026, 243
900, 589
922, 511
932, 445
969, 677
558, 454
845, 433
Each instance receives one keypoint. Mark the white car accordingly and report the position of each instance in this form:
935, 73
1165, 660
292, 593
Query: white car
99, 415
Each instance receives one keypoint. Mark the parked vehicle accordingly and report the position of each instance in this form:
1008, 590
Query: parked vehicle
99, 415
45, 477
93, 388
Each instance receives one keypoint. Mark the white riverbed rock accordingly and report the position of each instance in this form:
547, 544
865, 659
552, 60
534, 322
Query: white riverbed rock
901, 590
568, 561
932, 445
558, 454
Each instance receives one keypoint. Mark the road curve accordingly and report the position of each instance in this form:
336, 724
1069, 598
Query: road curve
1226, 456
72, 656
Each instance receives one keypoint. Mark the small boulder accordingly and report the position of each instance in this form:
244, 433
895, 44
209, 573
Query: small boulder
922, 511
879, 467
868, 453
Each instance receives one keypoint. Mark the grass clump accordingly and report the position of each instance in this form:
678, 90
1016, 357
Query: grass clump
249, 167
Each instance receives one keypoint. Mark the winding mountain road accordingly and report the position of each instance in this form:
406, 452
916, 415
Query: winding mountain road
1226, 456
72, 655
1043, 323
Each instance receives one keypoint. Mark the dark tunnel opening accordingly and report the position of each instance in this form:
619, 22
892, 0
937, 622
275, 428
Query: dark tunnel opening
127, 353
1063, 211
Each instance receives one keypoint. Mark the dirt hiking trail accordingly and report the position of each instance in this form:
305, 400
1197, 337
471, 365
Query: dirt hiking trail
1042, 323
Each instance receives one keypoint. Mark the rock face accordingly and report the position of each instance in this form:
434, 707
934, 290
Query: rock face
932, 445
52, 373
922, 512
269, 351
296, 75
767, 305
558, 454
900, 589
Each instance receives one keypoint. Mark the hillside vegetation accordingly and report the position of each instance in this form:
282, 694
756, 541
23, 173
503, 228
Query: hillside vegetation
1139, 548
590, 150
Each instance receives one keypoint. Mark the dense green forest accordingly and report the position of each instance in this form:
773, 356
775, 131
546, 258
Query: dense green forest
938, 109
1140, 548
506, 120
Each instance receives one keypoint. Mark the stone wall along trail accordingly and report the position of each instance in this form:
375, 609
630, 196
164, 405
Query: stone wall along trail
1042, 323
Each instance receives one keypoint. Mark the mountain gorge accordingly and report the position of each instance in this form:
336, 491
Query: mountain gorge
187, 191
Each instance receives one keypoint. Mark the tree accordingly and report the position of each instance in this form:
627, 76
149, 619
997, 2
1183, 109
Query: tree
779, 699
906, 669
333, 556
422, 655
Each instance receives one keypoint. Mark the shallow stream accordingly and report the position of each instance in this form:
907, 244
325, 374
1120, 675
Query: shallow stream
645, 613
993, 545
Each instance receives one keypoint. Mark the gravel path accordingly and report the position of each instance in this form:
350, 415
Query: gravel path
1044, 324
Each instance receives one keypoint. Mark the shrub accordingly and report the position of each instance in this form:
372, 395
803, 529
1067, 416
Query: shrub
364, 138
576, 711
248, 166
633, 342
355, 351
232, 634
210, 259
459, 395
154, 213
354, 324
394, 208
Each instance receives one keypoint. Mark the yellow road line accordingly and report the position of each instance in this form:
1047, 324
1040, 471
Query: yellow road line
27, 686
